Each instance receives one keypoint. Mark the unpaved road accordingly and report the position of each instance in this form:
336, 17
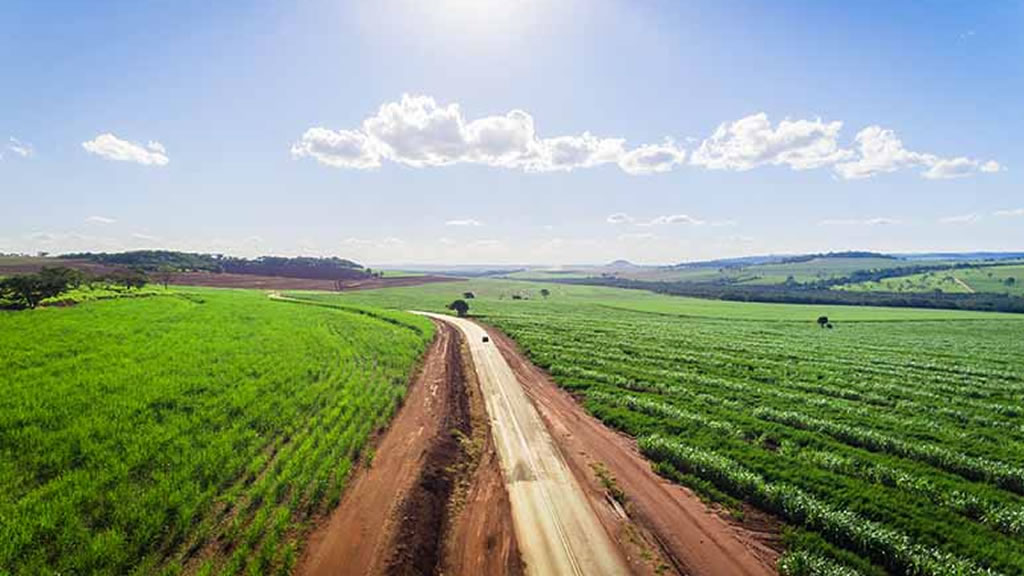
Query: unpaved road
557, 530
395, 514
694, 539
964, 285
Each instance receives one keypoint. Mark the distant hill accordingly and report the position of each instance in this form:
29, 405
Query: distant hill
964, 256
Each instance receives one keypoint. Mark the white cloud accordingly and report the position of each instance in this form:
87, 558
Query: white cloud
464, 222
752, 141
113, 148
672, 219
1009, 213
417, 131
946, 169
652, 158
100, 220
961, 219
341, 149
991, 166
623, 218
23, 149
880, 151
144, 237
856, 222
565, 153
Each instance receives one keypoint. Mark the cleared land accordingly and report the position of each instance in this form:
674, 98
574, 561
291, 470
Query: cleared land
197, 432
893, 443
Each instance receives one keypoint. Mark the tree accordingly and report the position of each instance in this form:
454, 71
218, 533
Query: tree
468, 295
460, 307
28, 290
128, 278
822, 321
164, 275
545, 292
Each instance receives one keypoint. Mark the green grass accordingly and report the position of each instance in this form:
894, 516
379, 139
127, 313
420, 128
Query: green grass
493, 296
891, 444
200, 430
989, 279
810, 271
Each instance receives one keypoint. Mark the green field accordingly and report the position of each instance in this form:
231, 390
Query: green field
992, 279
892, 443
812, 270
199, 431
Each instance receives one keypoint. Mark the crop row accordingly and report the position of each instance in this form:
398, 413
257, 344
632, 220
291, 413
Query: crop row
843, 528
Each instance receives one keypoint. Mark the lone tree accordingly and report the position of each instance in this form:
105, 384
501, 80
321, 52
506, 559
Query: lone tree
460, 307
545, 292
822, 321
164, 275
468, 295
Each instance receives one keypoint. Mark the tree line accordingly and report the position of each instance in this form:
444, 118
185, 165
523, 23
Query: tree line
29, 290
332, 268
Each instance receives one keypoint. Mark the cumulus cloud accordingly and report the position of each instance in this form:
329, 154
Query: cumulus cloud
113, 148
467, 222
752, 141
418, 131
880, 151
341, 149
652, 158
100, 220
864, 222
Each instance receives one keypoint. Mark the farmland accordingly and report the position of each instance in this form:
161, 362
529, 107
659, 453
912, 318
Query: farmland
1007, 279
891, 443
198, 431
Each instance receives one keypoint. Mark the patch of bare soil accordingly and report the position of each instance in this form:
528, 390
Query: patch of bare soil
660, 526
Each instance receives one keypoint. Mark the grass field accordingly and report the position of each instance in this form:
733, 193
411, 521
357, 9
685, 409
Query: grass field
809, 271
196, 432
994, 279
893, 443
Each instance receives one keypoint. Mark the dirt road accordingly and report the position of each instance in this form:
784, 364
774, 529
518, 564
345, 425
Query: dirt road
694, 539
557, 530
397, 512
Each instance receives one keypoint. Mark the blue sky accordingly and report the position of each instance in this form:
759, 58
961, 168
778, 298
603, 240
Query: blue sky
497, 132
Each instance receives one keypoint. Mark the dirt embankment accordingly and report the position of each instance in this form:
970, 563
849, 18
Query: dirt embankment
659, 525
428, 503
